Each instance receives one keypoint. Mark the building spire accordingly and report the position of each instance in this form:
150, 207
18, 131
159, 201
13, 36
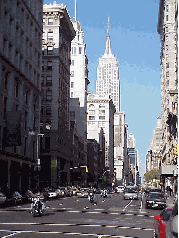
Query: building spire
108, 42
75, 10
108, 27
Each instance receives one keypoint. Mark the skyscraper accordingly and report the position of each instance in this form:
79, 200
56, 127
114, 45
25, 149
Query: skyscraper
108, 74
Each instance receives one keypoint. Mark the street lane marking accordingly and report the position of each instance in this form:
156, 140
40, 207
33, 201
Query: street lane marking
13, 234
81, 225
65, 233
127, 205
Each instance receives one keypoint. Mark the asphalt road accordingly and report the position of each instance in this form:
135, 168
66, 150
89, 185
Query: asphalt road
77, 217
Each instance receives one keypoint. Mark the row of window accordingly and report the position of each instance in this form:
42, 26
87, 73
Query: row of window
74, 50
100, 106
92, 112
50, 21
93, 117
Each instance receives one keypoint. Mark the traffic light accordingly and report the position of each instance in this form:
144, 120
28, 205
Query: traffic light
176, 149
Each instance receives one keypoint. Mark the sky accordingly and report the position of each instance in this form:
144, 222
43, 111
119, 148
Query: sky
136, 44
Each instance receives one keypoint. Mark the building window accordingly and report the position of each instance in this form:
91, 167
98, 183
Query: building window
49, 65
74, 50
72, 84
16, 87
91, 117
26, 97
72, 73
167, 65
101, 106
48, 111
43, 36
49, 81
91, 112
50, 21
101, 112
50, 35
72, 62
167, 73
50, 50
49, 95
6, 80
166, 17
43, 21
72, 115
80, 50
101, 117
71, 94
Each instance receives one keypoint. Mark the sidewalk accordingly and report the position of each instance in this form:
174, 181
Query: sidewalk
170, 201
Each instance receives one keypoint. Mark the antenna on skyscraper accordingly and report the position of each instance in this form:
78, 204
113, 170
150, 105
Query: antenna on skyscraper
75, 10
108, 26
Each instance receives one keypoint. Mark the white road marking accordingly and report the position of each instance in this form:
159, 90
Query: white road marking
127, 205
13, 234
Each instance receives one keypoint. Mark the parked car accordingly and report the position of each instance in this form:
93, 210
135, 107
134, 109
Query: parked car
160, 222
16, 197
28, 196
83, 192
119, 189
171, 230
130, 192
155, 200
2, 198
59, 193
152, 189
69, 191
74, 191
52, 193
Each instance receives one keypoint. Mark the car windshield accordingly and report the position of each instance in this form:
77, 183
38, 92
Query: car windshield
131, 190
156, 195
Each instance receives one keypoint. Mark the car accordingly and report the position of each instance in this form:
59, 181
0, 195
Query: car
28, 196
160, 222
171, 230
74, 191
152, 189
83, 192
155, 200
16, 197
67, 191
2, 198
59, 193
120, 189
130, 192
52, 193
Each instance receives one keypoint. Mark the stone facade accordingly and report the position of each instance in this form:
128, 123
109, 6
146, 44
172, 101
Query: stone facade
168, 30
120, 147
58, 33
20, 85
101, 114
79, 80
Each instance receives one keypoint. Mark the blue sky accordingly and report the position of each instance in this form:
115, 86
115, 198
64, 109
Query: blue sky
136, 44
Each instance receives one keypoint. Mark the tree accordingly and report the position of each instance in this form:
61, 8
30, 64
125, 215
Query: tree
153, 174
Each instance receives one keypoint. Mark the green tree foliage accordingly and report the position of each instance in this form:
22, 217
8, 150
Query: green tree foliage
153, 174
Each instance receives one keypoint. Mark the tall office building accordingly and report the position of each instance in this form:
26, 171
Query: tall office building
108, 74
58, 33
20, 96
79, 81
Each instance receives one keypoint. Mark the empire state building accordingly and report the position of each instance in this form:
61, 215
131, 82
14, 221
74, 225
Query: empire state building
108, 74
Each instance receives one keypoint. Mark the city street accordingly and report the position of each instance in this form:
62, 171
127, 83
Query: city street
77, 217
